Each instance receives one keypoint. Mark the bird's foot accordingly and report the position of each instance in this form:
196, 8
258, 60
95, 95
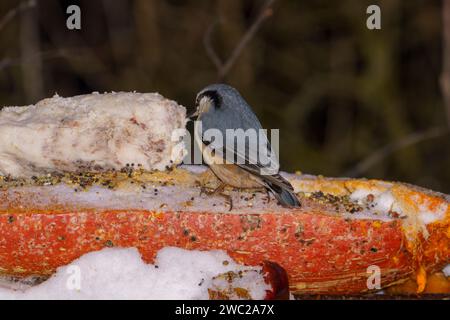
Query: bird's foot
228, 199
208, 192
208, 180
219, 192
268, 195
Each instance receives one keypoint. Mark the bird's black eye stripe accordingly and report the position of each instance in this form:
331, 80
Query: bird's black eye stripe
213, 95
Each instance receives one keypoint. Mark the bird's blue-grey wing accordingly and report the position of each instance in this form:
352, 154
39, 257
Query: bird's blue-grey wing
257, 157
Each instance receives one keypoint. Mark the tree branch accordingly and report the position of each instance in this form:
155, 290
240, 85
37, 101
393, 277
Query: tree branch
383, 152
417, 137
209, 48
223, 68
24, 5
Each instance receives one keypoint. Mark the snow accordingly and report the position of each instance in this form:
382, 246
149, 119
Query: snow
120, 273
93, 132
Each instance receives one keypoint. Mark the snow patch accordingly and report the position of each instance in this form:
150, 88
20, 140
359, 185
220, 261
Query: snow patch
118, 273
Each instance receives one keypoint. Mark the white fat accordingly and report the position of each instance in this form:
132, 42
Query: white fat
427, 216
384, 205
377, 203
360, 195
91, 132
165, 198
446, 270
117, 273
196, 169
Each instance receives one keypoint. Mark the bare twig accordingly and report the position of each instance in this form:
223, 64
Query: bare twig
209, 48
383, 152
445, 76
417, 137
44, 55
11, 14
224, 68
30, 43
265, 12
24, 5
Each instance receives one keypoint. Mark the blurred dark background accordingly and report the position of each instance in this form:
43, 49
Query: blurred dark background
349, 101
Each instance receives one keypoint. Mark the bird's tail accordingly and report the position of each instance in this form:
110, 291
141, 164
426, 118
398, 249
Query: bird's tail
287, 198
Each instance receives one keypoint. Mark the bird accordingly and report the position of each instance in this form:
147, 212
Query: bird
221, 107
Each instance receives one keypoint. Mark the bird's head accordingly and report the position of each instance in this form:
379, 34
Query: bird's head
206, 103
221, 106
211, 100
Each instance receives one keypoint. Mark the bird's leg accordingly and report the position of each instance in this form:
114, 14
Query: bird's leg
268, 195
219, 189
208, 180
229, 199
219, 192
204, 190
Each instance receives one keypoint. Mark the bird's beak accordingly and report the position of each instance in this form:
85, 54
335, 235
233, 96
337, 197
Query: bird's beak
193, 115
